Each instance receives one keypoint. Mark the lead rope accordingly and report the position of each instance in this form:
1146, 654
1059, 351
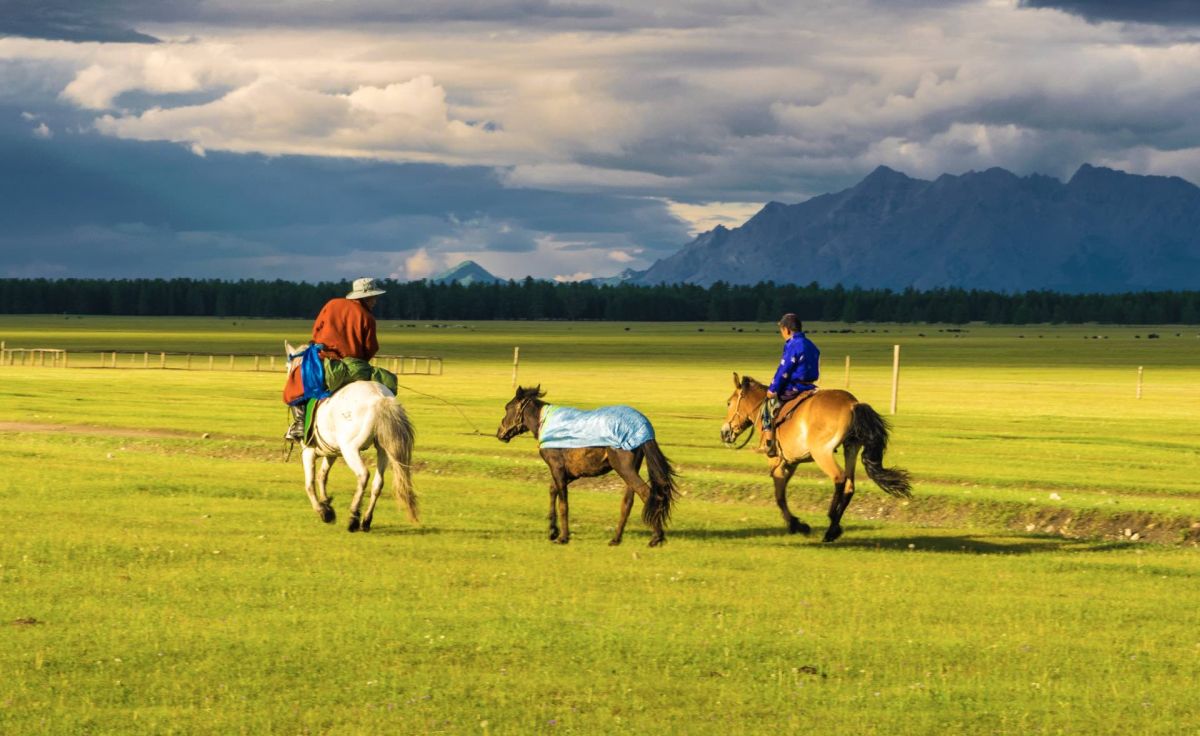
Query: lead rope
444, 401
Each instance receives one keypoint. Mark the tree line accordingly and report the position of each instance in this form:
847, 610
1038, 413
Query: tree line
536, 299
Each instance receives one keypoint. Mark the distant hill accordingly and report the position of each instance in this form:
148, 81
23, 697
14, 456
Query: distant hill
627, 276
1102, 231
467, 272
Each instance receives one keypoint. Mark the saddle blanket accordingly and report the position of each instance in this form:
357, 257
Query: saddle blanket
622, 427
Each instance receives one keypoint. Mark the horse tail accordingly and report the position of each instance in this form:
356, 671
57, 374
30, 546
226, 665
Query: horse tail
395, 435
870, 431
656, 512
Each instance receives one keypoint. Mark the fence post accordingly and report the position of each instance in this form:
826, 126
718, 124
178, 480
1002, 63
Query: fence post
847, 371
146, 359
256, 358
162, 360
65, 359
272, 363
1139, 382
2, 351
231, 362
189, 361
895, 375
516, 365
114, 363
210, 362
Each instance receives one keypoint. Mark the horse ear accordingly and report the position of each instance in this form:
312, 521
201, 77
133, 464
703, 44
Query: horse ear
737, 382
537, 391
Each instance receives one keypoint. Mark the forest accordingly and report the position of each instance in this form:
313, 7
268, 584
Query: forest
536, 299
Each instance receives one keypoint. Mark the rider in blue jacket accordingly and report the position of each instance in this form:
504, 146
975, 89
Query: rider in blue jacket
798, 371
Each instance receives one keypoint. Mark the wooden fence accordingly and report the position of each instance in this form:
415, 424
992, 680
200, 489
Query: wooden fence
427, 365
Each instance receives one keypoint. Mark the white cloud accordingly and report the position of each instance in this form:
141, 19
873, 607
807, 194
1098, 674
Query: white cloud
43, 131
706, 216
577, 276
417, 266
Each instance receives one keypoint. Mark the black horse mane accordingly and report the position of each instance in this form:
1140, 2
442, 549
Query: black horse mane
530, 392
747, 382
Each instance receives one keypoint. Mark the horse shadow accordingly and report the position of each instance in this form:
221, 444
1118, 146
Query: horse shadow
1001, 543
730, 533
868, 537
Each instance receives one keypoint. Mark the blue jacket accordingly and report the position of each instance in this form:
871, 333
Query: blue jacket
798, 368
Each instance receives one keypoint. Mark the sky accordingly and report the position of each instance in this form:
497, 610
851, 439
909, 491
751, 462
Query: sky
313, 140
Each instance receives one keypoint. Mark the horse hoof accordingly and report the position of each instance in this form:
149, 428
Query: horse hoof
562, 540
833, 533
553, 534
614, 543
355, 524
328, 515
656, 541
795, 526
366, 525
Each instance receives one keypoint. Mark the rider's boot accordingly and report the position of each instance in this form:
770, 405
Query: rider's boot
295, 432
768, 441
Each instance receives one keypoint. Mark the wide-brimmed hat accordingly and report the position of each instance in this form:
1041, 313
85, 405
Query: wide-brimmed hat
364, 288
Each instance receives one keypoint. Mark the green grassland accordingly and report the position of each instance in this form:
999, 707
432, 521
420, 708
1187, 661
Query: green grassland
161, 571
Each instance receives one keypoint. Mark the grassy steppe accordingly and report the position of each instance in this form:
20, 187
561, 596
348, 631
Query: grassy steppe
153, 580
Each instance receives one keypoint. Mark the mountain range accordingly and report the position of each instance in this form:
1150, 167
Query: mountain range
1101, 231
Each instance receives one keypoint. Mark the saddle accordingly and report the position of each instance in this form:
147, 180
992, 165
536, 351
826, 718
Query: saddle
786, 411
310, 424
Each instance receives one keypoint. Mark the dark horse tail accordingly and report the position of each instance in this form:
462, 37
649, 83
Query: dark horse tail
870, 430
657, 510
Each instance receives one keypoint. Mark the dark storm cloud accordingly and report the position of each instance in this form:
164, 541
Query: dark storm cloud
118, 20
71, 21
1162, 12
81, 204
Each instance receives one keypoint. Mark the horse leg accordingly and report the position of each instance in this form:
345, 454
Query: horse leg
827, 462
327, 513
313, 482
558, 491
847, 493
381, 466
355, 462
626, 464
563, 515
781, 474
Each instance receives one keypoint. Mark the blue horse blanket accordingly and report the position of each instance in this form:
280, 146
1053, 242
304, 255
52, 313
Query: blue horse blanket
622, 427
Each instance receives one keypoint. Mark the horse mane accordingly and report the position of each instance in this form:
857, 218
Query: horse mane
530, 392
747, 382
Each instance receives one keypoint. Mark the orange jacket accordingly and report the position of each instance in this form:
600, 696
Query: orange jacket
347, 329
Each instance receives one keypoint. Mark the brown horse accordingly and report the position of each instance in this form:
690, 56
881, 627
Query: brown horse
524, 414
812, 433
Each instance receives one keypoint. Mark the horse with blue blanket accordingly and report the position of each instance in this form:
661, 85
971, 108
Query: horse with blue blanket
585, 444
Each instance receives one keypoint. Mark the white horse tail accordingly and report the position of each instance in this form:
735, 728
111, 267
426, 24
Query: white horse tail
395, 436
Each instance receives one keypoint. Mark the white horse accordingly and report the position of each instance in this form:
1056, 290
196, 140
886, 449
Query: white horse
361, 414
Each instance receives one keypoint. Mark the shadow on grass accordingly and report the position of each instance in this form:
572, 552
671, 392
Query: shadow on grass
732, 533
988, 544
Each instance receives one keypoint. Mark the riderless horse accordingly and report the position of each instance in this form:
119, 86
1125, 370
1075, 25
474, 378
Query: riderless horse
621, 426
811, 431
360, 415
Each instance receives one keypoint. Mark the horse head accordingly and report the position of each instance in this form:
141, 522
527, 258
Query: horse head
517, 415
742, 407
288, 361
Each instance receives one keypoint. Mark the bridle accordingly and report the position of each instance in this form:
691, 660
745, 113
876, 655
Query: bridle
737, 414
519, 427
